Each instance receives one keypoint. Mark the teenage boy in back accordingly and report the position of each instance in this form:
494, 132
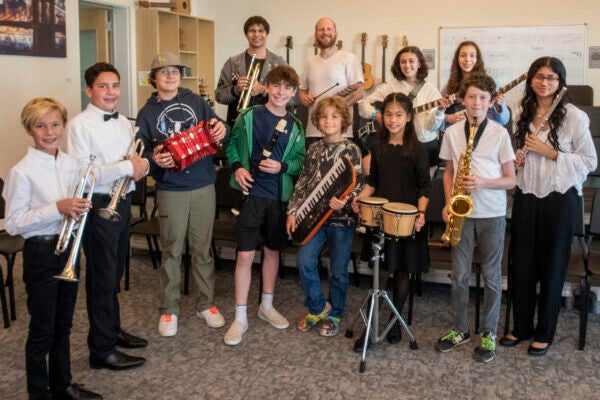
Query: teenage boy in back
492, 173
268, 180
101, 131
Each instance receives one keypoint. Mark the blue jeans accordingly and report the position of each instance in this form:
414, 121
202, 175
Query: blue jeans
339, 241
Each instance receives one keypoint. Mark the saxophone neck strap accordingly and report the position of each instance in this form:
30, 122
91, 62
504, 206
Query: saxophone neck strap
478, 134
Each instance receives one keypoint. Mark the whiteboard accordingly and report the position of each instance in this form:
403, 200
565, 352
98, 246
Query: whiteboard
509, 51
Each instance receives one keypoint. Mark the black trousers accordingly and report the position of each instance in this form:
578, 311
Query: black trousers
50, 303
541, 236
105, 244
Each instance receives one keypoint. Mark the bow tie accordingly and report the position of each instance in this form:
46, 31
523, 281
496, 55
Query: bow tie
107, 117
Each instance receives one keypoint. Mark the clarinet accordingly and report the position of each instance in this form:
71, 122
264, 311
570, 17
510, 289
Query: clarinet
266, 153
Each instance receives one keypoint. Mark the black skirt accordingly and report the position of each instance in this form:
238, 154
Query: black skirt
406, 254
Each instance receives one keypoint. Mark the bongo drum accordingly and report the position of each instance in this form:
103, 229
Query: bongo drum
370, 211
399, 219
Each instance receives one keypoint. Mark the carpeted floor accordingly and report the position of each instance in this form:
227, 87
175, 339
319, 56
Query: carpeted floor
289, 364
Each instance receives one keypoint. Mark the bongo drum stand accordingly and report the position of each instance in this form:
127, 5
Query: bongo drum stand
371, 301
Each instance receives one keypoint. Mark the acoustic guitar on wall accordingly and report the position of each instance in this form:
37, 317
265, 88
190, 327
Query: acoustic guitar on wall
289, 44
368, 78
384, 44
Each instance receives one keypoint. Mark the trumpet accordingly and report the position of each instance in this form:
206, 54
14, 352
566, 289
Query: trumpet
120, 186
252, 74
68, 273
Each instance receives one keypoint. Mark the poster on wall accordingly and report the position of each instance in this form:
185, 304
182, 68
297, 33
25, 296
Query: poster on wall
33, 28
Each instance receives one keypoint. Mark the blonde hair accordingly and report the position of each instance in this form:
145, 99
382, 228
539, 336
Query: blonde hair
338, 104
38, 107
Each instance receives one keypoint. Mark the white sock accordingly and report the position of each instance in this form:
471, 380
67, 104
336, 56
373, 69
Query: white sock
240, 313
267, 301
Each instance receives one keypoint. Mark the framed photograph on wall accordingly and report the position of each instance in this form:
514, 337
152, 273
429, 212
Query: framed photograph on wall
33, 28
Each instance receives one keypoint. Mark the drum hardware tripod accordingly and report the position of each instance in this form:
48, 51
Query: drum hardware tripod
371, 319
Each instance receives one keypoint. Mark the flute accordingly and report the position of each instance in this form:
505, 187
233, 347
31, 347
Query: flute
522, 152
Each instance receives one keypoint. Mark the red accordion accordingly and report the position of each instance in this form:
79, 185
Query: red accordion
191, 145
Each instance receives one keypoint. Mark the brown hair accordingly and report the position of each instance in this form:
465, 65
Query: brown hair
339, 104
423, 70
283, 73
480, 81
37, 108
456, 74
256, 20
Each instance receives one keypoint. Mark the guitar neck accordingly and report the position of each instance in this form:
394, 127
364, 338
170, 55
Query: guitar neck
287, 55
512, 83
383, 66
426, 106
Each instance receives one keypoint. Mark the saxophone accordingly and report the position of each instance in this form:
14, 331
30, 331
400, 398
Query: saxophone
461, 204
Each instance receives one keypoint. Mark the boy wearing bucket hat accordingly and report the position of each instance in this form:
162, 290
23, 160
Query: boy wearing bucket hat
186, 200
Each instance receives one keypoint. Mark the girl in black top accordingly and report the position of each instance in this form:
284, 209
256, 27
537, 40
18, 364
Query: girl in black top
400, 173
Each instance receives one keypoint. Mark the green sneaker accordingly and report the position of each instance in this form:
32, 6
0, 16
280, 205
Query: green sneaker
309, 320
330, 326
486, 352
451, 340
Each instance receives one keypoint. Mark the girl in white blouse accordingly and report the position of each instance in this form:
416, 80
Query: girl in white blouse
550, 176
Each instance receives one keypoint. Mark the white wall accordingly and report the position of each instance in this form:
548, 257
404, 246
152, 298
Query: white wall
26, 77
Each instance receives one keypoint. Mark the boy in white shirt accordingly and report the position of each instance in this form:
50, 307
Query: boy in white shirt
37, 198
101, 131
491, 173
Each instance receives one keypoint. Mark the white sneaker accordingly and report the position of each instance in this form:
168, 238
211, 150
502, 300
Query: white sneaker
167, 325
235, 333
273, 317
212, 316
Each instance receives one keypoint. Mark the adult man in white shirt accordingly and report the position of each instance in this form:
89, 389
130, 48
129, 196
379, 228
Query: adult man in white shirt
331, 68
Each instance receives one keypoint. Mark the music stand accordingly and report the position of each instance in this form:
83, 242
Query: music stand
371, 319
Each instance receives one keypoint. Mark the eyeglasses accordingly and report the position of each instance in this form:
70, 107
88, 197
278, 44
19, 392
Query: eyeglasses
169, 71
549, 78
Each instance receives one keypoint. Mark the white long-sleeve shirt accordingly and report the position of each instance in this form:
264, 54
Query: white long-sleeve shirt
576, 159
32, 188
426, 123
88, 133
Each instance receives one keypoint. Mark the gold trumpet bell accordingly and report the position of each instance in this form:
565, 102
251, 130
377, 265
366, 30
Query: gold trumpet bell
68, 274
461, 205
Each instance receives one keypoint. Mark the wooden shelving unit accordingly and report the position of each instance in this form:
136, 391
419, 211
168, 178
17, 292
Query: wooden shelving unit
190, 37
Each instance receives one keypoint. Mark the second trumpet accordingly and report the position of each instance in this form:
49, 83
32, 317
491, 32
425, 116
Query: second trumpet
120, 186
252, 76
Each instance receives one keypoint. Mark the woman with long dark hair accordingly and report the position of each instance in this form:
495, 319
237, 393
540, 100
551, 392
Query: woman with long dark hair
468, 61
554, 162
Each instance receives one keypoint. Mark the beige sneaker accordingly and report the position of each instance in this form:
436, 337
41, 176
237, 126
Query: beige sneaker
167, 325
235, 333
273, 317
212, 316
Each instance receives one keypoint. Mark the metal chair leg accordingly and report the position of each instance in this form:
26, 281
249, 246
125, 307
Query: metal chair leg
477, 295
3, 300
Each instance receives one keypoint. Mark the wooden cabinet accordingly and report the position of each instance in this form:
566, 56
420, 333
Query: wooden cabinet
190, 37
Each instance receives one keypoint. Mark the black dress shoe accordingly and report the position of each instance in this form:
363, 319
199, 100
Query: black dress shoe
395, 334
129, 341
508, 342
536, 351
75, 392
360, 342
116, 361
